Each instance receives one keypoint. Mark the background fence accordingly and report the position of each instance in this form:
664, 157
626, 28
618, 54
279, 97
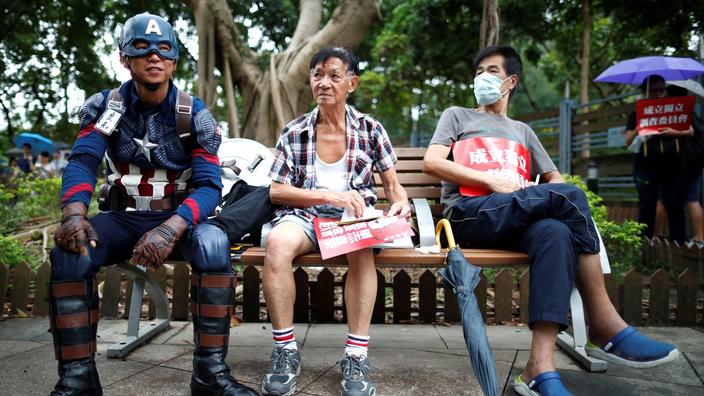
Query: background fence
403, 297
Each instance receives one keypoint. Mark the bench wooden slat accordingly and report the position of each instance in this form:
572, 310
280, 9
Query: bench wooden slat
401, 258
409, 166
415, 192
405, 153
411, 179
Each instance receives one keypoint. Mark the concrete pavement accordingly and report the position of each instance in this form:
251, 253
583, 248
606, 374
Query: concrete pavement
406, 359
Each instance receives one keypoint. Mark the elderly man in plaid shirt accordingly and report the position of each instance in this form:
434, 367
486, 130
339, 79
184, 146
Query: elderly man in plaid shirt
323, 165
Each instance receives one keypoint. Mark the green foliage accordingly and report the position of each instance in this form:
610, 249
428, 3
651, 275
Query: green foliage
417, 60
550, 32
12, 253
622, 241
26, 198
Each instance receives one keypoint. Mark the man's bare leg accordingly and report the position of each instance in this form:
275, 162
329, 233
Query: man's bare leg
604, 320
286, 241
696, 219
542, 350
360, 291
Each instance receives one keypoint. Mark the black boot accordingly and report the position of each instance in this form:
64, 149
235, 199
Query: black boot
74, 325
212, 301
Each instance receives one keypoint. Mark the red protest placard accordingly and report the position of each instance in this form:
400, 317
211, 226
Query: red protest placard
655, 114
499, 156
335, 239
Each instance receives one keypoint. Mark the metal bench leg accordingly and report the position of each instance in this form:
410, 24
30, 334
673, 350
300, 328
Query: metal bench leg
135, 335
575, 344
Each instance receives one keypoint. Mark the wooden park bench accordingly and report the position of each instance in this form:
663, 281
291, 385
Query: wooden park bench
424, 191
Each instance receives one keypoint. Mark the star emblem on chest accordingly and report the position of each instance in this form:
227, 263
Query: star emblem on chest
145, 146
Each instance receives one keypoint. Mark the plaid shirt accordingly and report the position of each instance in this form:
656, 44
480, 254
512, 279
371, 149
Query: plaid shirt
368, 145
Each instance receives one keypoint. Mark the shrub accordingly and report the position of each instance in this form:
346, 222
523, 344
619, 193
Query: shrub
622, 241
12, 253
26, 198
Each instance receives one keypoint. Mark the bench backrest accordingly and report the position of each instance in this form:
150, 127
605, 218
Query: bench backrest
410, 174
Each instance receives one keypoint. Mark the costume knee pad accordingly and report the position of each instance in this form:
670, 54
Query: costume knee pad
66, 265
209, 249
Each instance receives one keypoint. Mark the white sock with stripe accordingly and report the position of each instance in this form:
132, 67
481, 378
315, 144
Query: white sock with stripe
356, 345
284, 338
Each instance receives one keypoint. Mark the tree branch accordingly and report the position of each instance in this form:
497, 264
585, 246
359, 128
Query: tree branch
346, 28
309, 18
229, 40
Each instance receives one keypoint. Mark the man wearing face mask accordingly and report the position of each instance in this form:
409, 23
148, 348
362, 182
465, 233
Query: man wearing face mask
163, 180
487, 162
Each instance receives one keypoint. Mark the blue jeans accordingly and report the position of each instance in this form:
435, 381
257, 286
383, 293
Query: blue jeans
204, 246
551, 222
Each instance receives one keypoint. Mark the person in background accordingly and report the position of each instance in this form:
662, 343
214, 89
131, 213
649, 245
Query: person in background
59, 161
44, 168
14, 169
693, 162
26, 161
659, 167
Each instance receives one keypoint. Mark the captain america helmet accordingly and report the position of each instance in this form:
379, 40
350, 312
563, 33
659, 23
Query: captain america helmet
151, 29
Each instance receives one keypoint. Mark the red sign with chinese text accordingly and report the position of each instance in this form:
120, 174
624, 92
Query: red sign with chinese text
499, 156
335, 239
655, 114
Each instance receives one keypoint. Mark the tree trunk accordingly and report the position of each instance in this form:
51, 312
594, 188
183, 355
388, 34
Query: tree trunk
489, 28
584, 69
584, 72
10, 130
279, 92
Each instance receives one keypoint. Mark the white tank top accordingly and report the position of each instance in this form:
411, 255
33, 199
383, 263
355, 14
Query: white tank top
331, 177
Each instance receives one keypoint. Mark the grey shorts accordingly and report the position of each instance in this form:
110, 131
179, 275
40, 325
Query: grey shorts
303, 224
324, 211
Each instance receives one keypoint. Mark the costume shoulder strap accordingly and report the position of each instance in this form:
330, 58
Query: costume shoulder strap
184, 112
115, 100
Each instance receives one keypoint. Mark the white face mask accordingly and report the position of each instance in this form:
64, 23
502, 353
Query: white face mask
487, 88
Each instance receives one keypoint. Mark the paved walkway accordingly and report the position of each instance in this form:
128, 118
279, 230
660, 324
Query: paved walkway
407, 360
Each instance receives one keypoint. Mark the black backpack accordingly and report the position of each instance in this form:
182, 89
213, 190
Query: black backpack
245, 209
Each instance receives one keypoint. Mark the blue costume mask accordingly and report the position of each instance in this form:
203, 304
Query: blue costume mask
151, 29
487, 88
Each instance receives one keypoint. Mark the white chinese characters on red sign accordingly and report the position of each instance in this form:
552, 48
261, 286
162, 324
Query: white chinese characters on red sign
652, 115
502, 157
335, 239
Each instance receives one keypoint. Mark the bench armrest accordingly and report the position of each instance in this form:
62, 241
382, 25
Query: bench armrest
424, 218
603, 257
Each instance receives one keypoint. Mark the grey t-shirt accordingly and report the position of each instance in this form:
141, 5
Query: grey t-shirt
459, 123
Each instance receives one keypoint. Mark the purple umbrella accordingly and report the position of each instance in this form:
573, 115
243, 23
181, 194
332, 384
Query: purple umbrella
634, 71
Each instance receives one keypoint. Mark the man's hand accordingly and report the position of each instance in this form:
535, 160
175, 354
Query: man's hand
400, 209
156, 245
350, 200
502, 185
675, 132
75, 230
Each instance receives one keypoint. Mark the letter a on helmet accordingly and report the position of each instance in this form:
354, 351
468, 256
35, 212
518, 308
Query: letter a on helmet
153, 27
152, 30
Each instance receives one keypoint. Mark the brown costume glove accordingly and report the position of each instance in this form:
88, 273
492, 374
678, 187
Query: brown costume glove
75, 230
156, 245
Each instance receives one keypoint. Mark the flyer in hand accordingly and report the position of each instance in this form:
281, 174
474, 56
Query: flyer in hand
336, 239
655, 114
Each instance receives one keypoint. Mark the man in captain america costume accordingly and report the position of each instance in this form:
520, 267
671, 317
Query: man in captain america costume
163, 180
